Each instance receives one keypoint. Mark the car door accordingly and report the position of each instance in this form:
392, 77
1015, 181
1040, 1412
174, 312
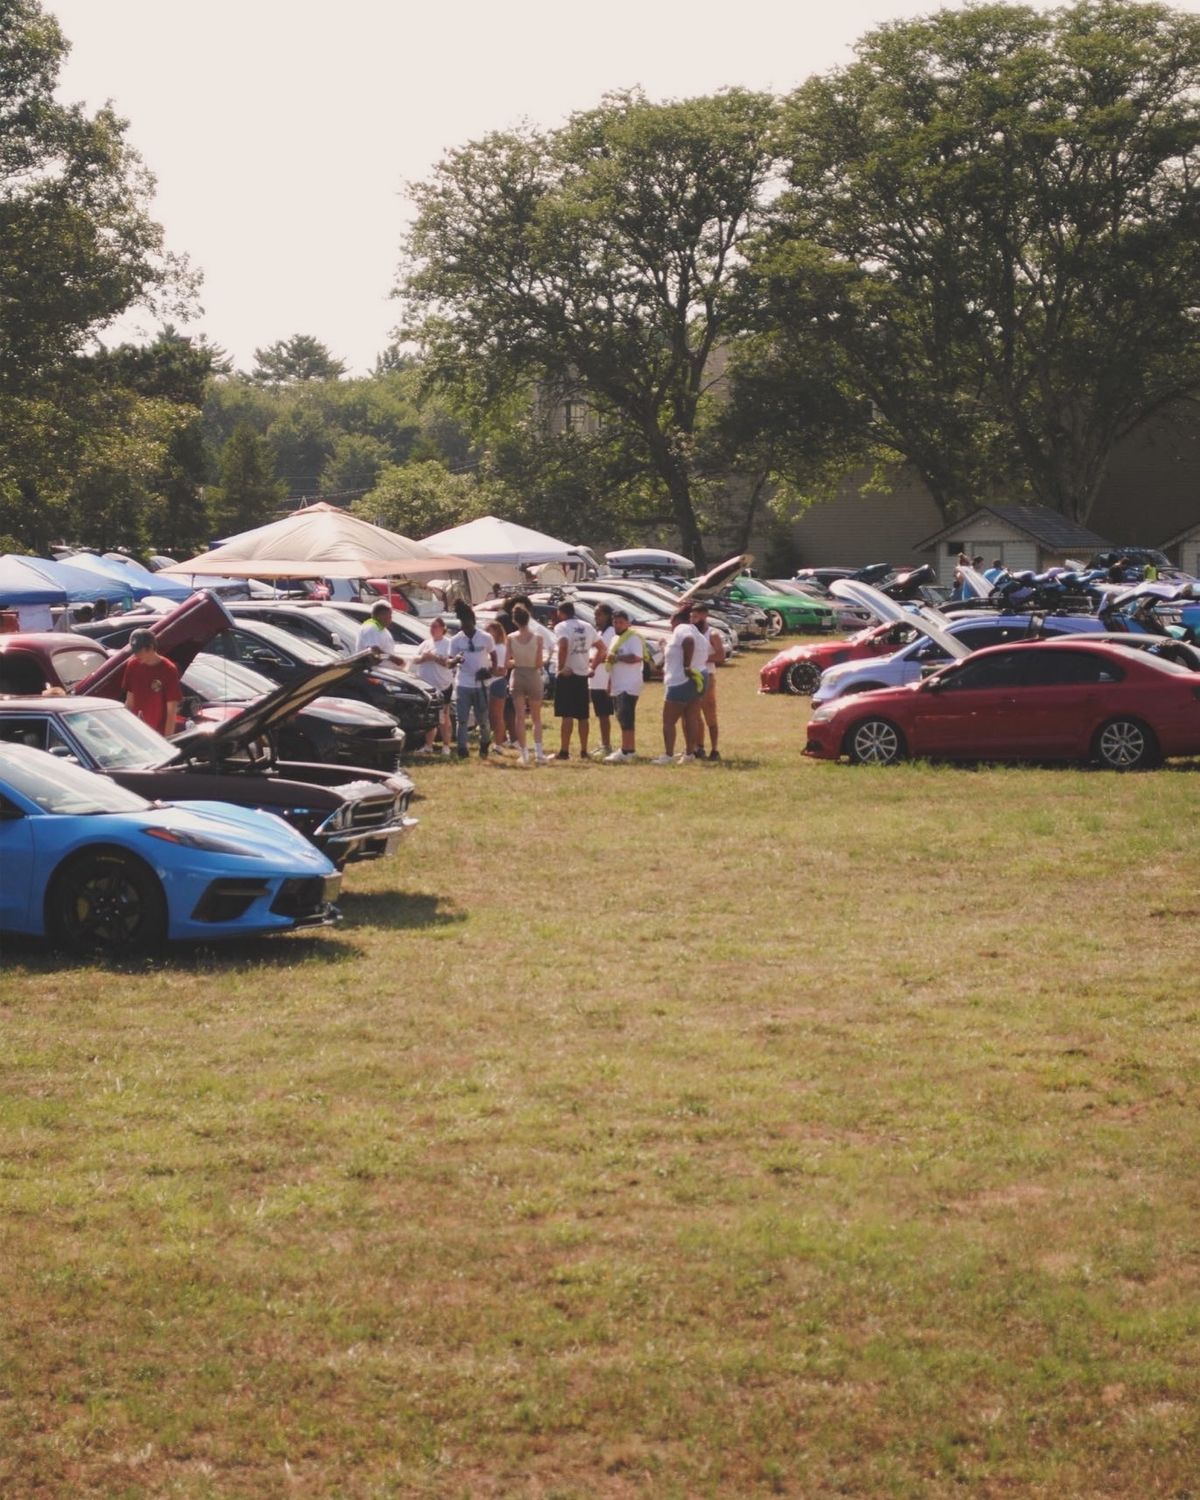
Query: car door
1064, 697
16, 860
972, 710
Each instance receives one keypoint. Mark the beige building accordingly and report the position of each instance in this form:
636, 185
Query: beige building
1019, 536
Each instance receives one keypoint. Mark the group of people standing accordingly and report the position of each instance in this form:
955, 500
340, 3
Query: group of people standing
496, 674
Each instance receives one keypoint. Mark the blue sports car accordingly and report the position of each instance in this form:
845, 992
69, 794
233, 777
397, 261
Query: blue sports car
95, 866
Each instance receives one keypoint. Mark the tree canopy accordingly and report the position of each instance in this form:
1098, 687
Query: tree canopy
595, 262
990, 231
301, 357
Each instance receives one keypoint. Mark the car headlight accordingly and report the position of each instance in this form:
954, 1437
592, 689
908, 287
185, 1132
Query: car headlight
188, 838
822, 715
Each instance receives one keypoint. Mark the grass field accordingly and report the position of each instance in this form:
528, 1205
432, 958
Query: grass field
752, 1129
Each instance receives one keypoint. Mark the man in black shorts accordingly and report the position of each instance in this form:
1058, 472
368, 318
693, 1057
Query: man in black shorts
574, 639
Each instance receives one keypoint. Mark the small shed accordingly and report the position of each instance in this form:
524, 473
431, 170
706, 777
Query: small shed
1184, 549
1021, 536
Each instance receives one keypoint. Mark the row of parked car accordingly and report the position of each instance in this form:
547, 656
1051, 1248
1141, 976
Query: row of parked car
112, 836
1116, 688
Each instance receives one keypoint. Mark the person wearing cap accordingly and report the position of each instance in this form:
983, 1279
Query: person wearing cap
708, 702
151, 684
373, 634
626, 659
474, 653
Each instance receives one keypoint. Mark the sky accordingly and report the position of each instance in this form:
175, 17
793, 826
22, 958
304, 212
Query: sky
282, 133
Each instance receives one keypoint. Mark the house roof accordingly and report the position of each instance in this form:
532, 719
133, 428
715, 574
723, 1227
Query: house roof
1049, 528
1181, 536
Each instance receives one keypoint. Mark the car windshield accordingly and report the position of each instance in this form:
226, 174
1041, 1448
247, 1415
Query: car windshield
74, 664
637, 615
1162, 663
343, 631
308, 652
220, 681
56, 786
116, 740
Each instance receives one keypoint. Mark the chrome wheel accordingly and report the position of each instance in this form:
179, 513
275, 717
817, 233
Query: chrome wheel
875, 742
1124, 745
774, 623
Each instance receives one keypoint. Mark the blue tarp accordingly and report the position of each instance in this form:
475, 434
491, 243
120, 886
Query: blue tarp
22, 585
129, 575
80, 585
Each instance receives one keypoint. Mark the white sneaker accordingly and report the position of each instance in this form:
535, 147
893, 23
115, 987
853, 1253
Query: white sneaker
682, 760
445, 752
540, 755
663, 760
523, 755
424, 750
619, 757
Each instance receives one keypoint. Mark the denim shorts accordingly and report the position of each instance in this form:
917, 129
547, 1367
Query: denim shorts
684, 693
498, 688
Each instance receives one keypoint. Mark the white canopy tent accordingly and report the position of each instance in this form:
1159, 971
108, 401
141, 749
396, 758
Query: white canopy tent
489, 540
323, 541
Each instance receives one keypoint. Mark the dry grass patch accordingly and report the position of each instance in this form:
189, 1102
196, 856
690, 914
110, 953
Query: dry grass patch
761, 1128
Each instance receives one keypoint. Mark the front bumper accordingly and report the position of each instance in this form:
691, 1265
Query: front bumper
350, 845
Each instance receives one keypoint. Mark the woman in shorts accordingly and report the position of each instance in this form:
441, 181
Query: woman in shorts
527, 655
432, 662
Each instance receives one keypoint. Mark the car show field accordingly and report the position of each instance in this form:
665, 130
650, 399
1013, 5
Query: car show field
775, 1127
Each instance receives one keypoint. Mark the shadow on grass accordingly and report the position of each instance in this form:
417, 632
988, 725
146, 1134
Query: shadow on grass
397, 911
282, 950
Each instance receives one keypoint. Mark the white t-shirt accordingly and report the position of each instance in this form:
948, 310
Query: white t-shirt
501, 651
372, 637
674, 670
702, 652
600, 683
626, 676
579, 636
435, 672
476, 656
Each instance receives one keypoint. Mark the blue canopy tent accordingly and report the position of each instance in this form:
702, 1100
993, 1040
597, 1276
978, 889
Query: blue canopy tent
22, 585
79, 584
129, 575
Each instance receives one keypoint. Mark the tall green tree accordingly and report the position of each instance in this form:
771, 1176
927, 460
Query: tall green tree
77, 248
288, 361
248, 494
991, 232
595, 262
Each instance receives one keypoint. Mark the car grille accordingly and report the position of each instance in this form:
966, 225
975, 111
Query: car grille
372, 812
303, 896
377, 749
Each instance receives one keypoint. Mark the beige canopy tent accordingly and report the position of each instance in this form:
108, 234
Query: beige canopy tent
322, 541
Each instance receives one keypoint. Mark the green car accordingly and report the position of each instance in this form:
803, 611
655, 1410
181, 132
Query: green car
785, 612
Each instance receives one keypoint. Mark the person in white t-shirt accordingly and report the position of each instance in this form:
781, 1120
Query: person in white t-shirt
601, 694
626, 678
433, 666
373, 634
474, 653
574, 639
708, 703
684, 687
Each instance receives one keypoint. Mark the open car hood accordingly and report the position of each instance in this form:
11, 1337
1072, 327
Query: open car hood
272, 709
180, 635
921, 618
716, 578
981, 587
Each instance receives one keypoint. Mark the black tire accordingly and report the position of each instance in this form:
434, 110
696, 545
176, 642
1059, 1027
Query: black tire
105, 900
802, 678
875, 742
1125, 745
775, 623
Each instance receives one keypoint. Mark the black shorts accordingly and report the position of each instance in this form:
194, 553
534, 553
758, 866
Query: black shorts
571, 697
602, 704
626, 706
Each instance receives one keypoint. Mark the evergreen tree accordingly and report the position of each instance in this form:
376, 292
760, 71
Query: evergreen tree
248, 494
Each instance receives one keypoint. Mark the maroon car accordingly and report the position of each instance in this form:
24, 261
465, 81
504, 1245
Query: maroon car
1066, 699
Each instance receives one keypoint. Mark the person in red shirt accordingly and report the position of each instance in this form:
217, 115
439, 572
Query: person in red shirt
151, 684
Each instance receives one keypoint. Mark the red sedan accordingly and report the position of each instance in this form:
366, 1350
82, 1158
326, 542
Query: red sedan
799, 668
1064, 699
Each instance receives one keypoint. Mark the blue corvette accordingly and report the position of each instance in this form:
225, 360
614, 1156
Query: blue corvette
94, 866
